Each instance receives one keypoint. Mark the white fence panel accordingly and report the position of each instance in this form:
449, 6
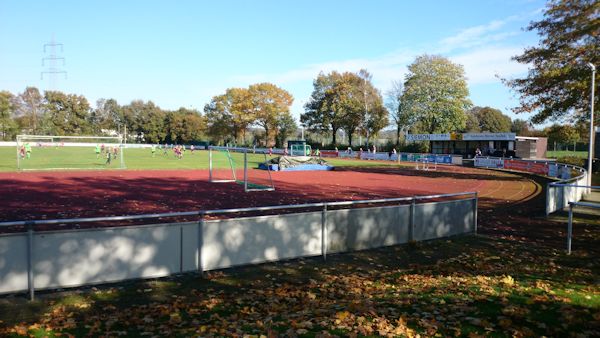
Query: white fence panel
358, 229
227, 243
443, 219
73, 258
13, 263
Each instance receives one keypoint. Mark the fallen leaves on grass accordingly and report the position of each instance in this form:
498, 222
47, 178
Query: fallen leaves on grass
483, 288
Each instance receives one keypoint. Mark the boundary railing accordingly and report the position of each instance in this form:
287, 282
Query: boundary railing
558, 194
35, 260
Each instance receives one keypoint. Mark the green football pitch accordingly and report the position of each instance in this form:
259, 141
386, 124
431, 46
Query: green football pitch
46, 158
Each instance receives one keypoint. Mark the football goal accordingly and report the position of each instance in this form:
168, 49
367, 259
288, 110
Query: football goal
239, 165
425, 163
51, 152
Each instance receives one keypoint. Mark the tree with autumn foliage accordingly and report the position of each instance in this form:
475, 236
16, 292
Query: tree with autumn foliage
229, 115
269, 103
559, 79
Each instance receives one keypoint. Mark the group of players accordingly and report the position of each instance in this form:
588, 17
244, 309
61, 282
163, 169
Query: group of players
178, 150
110, 153
25, 151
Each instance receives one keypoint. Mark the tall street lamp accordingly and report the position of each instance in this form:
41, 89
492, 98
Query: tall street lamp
591, 145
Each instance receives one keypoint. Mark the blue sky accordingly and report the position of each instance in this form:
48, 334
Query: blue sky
181, 53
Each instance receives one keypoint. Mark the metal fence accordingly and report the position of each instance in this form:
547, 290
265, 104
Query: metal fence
578, 204
559, 194
35, 260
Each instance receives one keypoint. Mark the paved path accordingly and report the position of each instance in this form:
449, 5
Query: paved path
594, 197
590, 214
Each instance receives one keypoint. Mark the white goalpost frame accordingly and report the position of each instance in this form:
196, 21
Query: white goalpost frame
210, 167
247, 187
22, 139
425, 164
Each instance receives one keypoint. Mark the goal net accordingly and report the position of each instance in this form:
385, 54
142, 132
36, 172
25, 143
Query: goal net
48, 152
239, 165
426, 163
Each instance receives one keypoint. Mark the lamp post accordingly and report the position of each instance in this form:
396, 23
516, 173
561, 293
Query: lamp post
591, 143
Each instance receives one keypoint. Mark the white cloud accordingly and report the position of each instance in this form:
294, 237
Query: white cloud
485, 51
486, 64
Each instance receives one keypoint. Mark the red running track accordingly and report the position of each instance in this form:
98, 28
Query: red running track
48, 195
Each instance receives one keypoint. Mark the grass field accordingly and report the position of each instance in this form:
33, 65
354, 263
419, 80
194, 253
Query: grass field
137, 159
564, 153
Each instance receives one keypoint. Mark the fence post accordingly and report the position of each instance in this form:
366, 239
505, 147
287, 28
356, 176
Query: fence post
570, 229
411, 227
209, 164
246, 170
30, 260
475, 200
199, 265
324, 232
548, 186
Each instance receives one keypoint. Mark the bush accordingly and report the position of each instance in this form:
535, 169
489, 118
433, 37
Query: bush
573, 160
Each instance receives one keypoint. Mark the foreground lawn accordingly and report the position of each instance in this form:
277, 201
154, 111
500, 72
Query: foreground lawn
466, 286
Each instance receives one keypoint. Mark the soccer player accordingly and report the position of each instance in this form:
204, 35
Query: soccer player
192, 149
153, 149
115, 152
97, 151
108, 157
28, 149
22, 152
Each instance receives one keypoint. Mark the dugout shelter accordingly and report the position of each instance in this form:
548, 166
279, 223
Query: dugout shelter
490, 144
299, 148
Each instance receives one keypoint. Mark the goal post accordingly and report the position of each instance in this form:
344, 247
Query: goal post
424, 163
221, 158
55, 152
234, 165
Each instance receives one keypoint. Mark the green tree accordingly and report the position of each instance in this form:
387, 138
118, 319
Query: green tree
558, 82
491, 120
108, 115
520, 127
319, 115
472, 123
345, 101
184, 126
269, 102
30, 109
286, 127
145, 121
562, 134
436, 94
66, 114
8, 127
219, 123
